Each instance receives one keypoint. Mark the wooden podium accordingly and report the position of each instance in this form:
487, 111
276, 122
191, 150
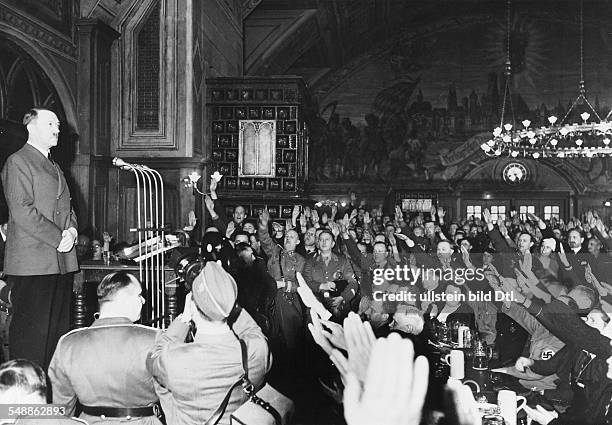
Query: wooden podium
86, 301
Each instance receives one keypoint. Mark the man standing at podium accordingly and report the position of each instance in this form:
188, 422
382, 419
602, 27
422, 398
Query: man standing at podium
40, 252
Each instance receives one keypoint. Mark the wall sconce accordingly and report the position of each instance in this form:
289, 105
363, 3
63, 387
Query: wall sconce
191, 181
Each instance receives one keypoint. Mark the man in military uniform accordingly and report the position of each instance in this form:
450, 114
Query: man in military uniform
104, 366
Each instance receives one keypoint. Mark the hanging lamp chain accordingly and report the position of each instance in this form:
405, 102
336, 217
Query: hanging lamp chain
508, 70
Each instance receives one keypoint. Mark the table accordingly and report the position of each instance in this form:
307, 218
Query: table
490, 383
92, 272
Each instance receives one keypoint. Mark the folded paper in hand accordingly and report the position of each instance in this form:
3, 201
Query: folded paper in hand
309, 299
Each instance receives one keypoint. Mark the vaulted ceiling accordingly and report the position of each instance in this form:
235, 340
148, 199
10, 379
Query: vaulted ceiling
317, 38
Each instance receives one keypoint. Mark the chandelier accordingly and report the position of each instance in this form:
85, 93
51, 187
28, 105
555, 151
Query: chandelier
589, 138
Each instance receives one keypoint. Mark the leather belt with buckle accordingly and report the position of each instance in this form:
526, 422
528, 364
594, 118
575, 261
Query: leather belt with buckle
121, 412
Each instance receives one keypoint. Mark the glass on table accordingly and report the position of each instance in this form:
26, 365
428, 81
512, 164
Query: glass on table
444, 332
482, 354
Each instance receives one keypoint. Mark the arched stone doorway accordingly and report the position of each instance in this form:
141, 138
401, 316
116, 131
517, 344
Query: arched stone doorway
28, 78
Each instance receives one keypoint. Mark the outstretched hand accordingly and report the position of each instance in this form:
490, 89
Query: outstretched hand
359, 341
314, 217
390, 395
461, 406
316, 329
264, 217
541, 415
562, 255
486, 214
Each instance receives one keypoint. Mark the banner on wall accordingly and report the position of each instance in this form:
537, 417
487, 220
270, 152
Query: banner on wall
416, 202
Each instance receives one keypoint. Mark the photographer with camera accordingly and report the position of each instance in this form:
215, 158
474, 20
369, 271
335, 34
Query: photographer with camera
195, 377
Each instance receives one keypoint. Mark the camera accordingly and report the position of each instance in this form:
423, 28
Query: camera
187, 266
188, 263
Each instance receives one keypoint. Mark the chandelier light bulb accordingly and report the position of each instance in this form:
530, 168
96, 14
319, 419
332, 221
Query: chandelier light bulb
564, 131
491, 142
536, 155
554, 142
589, 154
508, 127
606, 141
526, 123
514, 154
532, 141
552, 119
506, 138
498, 152
497, 132
585, 116
485, 147
579, 142
530, 134
561, 155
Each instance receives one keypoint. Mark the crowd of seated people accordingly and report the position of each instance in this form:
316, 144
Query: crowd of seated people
369, 268
556, 269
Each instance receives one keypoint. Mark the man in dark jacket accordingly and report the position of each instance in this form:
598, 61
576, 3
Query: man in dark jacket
256, 289
42, 231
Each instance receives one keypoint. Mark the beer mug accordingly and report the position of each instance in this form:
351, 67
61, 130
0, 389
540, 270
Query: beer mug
456, 362
464, 336
509, 405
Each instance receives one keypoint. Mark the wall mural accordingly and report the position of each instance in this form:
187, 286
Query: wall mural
418, 108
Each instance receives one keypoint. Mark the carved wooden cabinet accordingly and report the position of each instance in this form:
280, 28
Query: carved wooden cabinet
257, 135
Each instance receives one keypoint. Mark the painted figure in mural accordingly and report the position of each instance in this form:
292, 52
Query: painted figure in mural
317, 129
415, 155
351, 159
320, 148
373, 150
334, 144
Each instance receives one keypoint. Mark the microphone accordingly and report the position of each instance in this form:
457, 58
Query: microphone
118, 162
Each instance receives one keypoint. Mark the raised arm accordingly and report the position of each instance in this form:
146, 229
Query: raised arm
159, 358
270, 248
565, 324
